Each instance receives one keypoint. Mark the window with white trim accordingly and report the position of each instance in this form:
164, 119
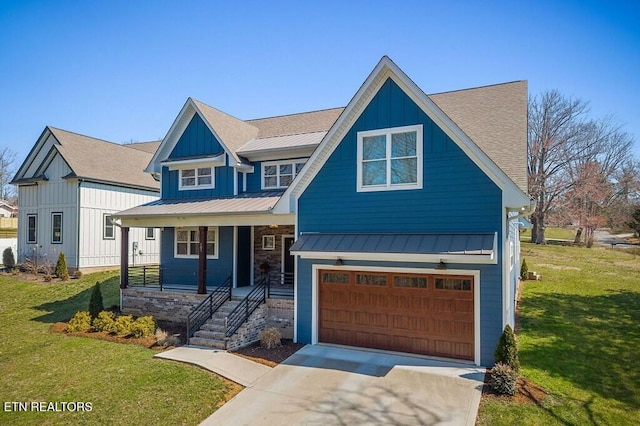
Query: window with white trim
280, 174
390, 159
198, 178
56, 228
32, 228
187, 242
108, 229
150, 234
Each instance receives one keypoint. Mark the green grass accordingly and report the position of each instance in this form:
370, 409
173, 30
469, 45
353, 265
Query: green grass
550, 233
579, 338
124, 383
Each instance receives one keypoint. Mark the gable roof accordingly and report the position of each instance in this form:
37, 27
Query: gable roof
294, 124
514, 196
93, 159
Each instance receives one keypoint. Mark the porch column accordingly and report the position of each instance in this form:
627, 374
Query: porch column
124, 257
202, 260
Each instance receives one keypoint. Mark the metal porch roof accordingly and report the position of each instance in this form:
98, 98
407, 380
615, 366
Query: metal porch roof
473, 244
242, 204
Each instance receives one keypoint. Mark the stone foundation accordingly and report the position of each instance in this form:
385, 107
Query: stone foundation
174, 307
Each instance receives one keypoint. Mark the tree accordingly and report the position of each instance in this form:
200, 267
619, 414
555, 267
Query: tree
635, 221
554, 132
95, 303
61, 270
7, 158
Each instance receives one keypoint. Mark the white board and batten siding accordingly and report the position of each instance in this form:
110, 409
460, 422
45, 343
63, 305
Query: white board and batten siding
56, 195
98, 200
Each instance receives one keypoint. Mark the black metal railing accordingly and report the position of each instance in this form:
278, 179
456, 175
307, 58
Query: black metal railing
205, 310
170, 278
240, 314
280, 286
145, 275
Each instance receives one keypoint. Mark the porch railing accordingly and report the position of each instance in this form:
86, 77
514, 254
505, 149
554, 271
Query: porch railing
280, 286
171, 278
205, 310
245, 308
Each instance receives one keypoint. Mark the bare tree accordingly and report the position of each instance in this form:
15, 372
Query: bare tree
7, 158
555, 133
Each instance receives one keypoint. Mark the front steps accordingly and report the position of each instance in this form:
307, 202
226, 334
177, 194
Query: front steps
211, 334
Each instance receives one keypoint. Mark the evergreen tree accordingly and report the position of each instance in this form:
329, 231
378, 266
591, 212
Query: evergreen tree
8, 260
507, 350
524, 270
61, 267
95, 303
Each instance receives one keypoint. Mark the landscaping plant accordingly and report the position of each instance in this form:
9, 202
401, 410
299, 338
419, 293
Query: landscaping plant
270, 338
61, 270
80, 322
8, 260
95, 303
507, 350
503, 379
143, 326
104, 321
524, 269
122, 326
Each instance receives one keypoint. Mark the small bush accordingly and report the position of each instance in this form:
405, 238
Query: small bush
95, 303
270, 338
77, 274
48, 278
61, 267
507, 349
122, 326
524, 269
8, 260
165, 339
104, 321
81, 321
503, 379
143, 326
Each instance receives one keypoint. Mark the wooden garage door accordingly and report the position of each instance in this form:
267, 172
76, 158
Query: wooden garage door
424, 314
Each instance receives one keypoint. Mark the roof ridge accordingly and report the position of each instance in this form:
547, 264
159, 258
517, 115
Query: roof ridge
476, 87
292, 134
125, 144
216, 109
295, 113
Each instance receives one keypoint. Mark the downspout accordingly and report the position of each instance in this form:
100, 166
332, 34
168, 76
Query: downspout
79, 227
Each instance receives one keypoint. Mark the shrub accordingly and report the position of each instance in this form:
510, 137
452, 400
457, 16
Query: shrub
104, 321
165, 339
81, 321
507, 350
270, 338
143, 326
503, 379
61, 267
77, 274
8, 260
95, 303
524, 269
48, 277
122, 325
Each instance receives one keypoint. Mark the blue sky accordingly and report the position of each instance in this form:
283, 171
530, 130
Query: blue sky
121, 70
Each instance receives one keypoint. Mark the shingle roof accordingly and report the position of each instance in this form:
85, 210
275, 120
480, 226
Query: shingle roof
495, 118
293, 124
149, 147
245, 203
96, 159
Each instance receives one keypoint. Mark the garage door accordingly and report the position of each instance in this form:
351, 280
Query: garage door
424, 314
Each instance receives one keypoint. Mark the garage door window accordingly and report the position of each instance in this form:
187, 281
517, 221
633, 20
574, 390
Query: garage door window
409, 282
371, 279
335, 278
453, 284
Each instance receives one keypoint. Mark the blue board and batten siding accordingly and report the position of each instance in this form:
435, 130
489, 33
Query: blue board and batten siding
457, 196
197, 140
181, 271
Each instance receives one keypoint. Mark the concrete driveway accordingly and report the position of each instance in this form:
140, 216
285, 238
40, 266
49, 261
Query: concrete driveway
321, 385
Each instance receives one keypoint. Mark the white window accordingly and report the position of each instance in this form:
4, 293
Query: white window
56, 228
198, 178
187, 242
280, 174
32, 228
150, 234
390, 159
108, 228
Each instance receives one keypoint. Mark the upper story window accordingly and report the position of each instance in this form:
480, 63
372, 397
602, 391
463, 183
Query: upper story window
187, 242
390, 159
56, 228
32, 228
280, 174
198, 178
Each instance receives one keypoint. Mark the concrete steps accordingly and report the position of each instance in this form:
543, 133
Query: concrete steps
211, 334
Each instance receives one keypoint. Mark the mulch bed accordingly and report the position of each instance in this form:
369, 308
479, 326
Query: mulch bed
270, 357
527, 392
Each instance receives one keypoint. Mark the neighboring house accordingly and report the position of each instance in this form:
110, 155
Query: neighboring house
68, 188
395, 217
7, 210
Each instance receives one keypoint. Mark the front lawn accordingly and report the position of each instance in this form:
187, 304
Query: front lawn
579, 338
552, 233
124, 384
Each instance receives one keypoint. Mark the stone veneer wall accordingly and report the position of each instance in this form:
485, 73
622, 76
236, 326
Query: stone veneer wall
280, 315
274, 257
163, 305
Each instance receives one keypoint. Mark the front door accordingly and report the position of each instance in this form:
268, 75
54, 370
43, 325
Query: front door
288, 260
243, 266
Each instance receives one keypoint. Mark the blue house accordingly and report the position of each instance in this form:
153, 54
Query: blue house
391, 223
